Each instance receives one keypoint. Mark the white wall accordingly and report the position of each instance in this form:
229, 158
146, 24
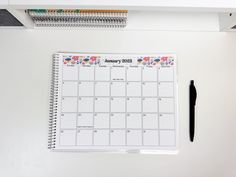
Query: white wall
207, 57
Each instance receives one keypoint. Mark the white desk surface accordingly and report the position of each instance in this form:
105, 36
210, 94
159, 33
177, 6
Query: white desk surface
25, 68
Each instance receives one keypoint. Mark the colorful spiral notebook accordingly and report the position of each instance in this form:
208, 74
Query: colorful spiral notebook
84, 18
113, 102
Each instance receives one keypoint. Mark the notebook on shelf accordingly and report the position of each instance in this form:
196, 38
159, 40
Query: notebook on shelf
113, 102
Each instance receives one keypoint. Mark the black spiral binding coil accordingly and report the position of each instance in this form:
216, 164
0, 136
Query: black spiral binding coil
53, 103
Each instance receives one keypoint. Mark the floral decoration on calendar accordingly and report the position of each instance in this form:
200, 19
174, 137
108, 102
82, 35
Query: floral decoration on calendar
83, 60
160, 60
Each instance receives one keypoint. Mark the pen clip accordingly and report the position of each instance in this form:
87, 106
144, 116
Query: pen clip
193, 93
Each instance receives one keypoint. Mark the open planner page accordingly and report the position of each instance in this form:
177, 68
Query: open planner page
111, 102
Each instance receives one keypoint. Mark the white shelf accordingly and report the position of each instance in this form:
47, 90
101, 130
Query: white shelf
165, 5
150, 21
164, 15
172, 21
3, 4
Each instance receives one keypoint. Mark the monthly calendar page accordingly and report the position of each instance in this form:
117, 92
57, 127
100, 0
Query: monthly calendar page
117, 102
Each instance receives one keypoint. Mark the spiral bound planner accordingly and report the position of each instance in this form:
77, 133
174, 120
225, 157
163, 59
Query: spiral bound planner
89, 18
113, 102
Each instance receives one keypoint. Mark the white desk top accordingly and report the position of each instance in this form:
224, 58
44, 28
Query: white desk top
25, 67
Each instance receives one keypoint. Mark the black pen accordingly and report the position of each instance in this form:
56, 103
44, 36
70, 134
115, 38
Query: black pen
192, 102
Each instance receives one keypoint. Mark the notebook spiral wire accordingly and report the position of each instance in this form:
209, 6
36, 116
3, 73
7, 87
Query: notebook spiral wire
53, 103
79, 18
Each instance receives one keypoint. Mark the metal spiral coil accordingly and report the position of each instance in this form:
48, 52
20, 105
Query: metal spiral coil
79, 18
53, 103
